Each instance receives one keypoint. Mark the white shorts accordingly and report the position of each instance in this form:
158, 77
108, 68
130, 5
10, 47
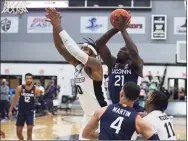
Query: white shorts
85, 120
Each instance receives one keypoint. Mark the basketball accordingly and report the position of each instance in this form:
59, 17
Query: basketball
116, 14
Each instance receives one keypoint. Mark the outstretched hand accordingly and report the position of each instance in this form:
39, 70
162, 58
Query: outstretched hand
53, 16
122, 23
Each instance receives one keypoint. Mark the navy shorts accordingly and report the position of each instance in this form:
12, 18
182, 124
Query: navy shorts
28, 117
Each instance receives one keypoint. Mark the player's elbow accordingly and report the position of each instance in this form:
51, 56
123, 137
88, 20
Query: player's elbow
154, 137
85, 134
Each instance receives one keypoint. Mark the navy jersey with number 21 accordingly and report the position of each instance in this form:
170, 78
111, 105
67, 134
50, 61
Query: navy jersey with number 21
121, 73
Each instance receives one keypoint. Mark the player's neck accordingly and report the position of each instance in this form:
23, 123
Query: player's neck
127, 62
28, 87
126, 102
149, 110
123, 61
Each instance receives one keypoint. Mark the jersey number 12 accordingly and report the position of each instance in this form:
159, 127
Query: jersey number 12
117, 124
119, 80
27, 99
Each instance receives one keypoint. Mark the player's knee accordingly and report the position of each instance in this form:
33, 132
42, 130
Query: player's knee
19, 132
29, 130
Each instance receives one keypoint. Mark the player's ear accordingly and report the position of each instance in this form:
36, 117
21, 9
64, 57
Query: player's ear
122, 93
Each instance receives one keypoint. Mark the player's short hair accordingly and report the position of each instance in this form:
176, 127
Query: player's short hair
159, 101
132, 90
28, 74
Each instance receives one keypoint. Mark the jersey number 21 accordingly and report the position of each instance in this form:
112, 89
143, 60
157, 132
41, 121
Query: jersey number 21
119, 80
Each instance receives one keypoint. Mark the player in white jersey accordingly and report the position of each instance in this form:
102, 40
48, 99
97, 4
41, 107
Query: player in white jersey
88, 70
162, 125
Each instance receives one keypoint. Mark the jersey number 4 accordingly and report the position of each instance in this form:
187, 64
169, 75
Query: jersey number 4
117, 124
27, 99
119, 80
167, 129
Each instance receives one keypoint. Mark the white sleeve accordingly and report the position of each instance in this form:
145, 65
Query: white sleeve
134, 136
152, 123
42, 89
73, 48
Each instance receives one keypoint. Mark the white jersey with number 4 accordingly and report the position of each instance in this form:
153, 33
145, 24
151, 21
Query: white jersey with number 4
90, 92
161, 125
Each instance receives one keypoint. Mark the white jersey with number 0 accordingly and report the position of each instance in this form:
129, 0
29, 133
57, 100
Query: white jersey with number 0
89, 91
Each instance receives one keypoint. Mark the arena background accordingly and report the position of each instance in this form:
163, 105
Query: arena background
27, 46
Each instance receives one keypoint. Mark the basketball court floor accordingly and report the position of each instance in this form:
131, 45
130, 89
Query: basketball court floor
67, 127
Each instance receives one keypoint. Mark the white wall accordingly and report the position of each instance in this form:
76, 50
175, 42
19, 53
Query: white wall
65, 72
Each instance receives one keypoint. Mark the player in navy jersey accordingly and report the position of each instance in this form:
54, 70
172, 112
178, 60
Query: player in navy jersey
119, 121
26, 110
127, 66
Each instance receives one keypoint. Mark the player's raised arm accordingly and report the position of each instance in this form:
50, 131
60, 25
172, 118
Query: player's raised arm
81, 56
59, 44
143, 127
73, 48
15, 99
131, 46
103, 50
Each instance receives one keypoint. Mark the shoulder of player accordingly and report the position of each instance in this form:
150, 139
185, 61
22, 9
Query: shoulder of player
150, 119
18, 88
138, 69
100, 111
94, 74
153, 121
141, 125
148, 116
97, 66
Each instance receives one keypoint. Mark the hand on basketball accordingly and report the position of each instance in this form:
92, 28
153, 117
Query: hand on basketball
53, 16
122, 22
10, 115
2, 134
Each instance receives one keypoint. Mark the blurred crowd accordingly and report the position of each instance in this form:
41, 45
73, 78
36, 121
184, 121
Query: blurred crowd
45, 101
